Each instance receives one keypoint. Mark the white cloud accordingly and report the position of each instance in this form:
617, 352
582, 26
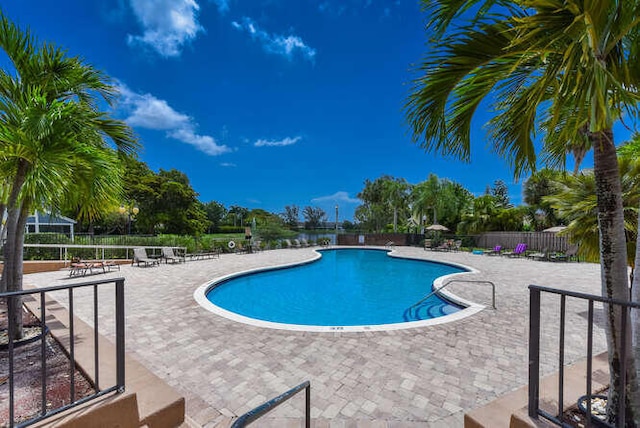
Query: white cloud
223, 5
284, 142
228, 164
340, 196
147, 111
167, 24
286, 46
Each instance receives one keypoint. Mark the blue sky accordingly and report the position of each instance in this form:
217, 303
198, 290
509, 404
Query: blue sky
264, 103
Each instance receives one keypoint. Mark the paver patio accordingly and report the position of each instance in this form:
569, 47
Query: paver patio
427, 376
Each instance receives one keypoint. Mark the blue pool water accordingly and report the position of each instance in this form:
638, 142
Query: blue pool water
346, 287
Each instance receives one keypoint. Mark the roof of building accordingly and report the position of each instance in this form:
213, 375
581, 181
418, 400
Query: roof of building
48, 218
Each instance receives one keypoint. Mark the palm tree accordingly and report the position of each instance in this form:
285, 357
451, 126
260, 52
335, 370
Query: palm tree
574, 199
566, 67
395, 192
543, 182
632, 150
480, 217
427, 197
52, 140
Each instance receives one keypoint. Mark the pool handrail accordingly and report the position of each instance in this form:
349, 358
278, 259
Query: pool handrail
437, 290
268, 406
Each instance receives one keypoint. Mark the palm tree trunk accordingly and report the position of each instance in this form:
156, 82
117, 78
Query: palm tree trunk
395, 219
3, 210
613, 262
17, 215
634, 386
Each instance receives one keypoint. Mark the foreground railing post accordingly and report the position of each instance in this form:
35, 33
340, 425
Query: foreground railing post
534, 352
307, 406
10, 327
120, 335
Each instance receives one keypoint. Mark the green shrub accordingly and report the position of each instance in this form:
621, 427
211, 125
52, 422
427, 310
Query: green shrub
31, 253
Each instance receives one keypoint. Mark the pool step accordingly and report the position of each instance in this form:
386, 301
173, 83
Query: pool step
431, 308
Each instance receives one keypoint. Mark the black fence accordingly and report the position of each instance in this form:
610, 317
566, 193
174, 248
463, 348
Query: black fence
624, 308
12, 353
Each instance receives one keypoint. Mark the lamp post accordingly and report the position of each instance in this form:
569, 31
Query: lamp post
131, 212
336, 222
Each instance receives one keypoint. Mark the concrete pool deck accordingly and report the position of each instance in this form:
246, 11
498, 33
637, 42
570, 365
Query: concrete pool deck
425, 376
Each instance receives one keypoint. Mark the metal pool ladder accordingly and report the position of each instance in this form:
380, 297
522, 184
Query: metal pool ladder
408, 312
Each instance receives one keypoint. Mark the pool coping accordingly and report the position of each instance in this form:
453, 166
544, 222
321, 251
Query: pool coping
471, 308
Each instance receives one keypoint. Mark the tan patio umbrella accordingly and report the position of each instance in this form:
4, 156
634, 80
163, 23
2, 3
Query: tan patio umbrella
438, 227
555, 229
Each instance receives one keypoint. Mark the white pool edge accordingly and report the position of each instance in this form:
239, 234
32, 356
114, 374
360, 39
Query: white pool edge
471, 308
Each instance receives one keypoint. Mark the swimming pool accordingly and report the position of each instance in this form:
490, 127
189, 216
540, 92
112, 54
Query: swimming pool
344, 289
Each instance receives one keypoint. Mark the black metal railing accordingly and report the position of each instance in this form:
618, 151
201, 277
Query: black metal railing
14, 302
261, 410
534, 351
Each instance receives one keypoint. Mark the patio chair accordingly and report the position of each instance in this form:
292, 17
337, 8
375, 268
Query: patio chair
540, 255
445, 246
567, 256
78, 268
427, 244
140, 256
169, 255
304, 242
256, 246
496, 251
200, 255
289, 244
519, 251
82, 267
241, 248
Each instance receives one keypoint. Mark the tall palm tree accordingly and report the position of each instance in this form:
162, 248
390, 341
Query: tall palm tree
53, 140
543, 182
632, 150
574, 198
555, 66
426, 197
395, 193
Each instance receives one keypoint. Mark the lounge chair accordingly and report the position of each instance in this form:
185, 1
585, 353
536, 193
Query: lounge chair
78, 268
304, 242
82, 267
140, 256
390, 244
540, 255
170, 256
497, 250
567, 256
519, 251
201, 255
289, 244
445, 246
107, 265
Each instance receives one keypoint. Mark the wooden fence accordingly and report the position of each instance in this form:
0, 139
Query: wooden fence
534, 240
378, 239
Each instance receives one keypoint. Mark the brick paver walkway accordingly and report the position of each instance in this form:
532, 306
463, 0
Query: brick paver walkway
427, 376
